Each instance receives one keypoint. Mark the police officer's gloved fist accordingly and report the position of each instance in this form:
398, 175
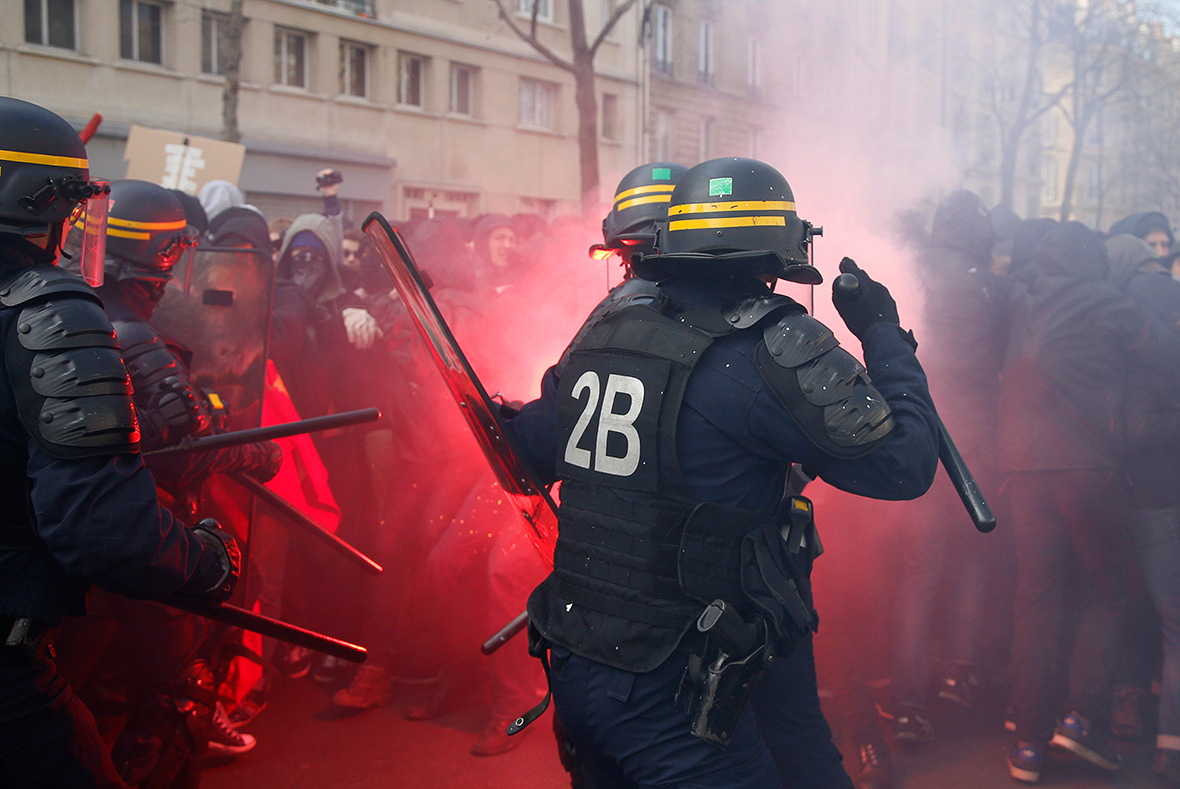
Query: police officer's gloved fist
263, 460
864, 305
180, 408
227, 551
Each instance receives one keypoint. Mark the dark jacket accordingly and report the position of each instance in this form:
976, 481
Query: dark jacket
1062, 396
965, 324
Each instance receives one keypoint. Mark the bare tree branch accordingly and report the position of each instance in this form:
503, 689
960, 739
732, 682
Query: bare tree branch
531, 38
609, 24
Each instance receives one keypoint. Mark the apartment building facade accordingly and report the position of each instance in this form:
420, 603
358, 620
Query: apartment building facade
431, 107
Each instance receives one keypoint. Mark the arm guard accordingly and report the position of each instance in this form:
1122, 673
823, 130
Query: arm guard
825, 389
72, 390
169, 408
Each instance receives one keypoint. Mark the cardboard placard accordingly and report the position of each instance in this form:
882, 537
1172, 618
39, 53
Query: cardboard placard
175, 160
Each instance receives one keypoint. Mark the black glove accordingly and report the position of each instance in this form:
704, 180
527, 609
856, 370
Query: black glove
263, 460
226, 547
865, 305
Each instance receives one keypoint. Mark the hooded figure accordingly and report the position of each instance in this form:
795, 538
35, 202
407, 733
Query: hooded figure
1062, 392
965, 322
1135, 270
1151, 226
232, 222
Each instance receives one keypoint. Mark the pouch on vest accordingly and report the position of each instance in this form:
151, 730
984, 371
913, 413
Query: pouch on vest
774, 584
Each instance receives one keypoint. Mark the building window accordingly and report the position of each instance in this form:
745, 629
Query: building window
462, 90
706, 143
705, 52
661, 39
213, 54
544, 9
354, 69
411, 78
662, 137
536, 103
610, 116
140, 31
1049, 130
1048, 180
753, 66
50, 22
291, 58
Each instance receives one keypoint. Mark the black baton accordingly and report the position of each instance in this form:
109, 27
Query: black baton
505, 634
271, 432
273, 628
848, 286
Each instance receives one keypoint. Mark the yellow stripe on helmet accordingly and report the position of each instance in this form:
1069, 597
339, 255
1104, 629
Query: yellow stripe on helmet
728, 205
643, 190
128, 234
643, 201
179, 224
727, 221
42, 158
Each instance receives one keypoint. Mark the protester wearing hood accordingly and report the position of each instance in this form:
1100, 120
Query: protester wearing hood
492, 244
1151, 226
966, 332
231, 221
1060, 415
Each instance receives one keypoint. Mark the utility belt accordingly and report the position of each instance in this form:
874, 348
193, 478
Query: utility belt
734, 641
27, 637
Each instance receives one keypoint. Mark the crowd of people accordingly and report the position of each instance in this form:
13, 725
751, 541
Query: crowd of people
1048, 347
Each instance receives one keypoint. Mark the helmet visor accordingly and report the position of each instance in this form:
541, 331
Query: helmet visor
94, 235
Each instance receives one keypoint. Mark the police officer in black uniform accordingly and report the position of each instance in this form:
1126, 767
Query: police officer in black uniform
680, 570
78, 505
161, 650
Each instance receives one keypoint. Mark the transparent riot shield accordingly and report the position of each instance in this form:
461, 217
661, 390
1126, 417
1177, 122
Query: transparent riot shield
217, 308
531, 499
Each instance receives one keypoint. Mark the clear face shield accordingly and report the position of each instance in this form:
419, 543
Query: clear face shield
92, 214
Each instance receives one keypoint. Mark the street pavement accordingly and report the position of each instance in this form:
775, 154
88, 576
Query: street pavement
303, 743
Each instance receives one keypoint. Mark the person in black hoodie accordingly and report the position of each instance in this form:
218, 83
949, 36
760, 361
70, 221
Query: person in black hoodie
1061, 407
966, 334
1151, 226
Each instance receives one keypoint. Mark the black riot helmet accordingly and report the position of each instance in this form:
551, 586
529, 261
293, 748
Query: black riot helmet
640, 204
734, 216
146, 232
44, 178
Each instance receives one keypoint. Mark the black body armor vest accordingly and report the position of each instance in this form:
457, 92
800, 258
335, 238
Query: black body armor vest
639, 556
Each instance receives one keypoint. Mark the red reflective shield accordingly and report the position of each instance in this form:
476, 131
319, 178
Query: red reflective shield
530, 498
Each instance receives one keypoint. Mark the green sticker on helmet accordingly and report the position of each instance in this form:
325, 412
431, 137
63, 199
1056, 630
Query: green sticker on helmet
661, 174
720, 187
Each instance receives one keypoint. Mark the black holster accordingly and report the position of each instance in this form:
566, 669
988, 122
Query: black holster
720, 677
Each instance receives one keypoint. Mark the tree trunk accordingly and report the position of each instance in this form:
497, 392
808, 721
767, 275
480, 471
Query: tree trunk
587, 103
233, 73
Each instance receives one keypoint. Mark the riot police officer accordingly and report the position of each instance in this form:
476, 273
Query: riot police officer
680, 572
80, 507
173, 709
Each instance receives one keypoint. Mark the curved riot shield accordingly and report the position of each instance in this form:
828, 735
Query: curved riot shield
530, 498
217, 307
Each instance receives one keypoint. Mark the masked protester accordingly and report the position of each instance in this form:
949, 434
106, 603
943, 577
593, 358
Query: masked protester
81, 507
681, 572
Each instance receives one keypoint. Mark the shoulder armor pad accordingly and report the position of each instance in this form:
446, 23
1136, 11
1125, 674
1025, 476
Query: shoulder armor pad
60, 323
797, 339
30, 282
749, 312
85, 426
72, 389
830, 398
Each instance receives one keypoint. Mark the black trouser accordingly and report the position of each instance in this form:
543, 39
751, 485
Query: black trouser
47, 736
1071, 551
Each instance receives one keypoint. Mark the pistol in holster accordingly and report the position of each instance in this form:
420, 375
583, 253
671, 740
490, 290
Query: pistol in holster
719, 678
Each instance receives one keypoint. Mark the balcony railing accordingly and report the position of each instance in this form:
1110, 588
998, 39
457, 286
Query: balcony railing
359, 7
